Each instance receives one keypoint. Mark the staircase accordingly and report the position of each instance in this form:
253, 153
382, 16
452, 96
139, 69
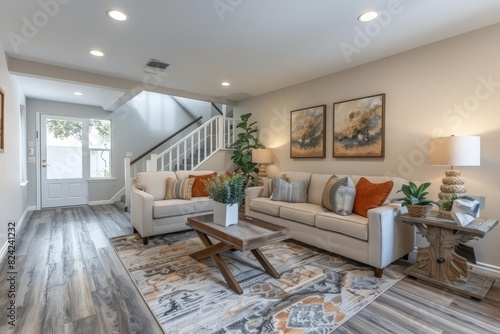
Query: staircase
188, 153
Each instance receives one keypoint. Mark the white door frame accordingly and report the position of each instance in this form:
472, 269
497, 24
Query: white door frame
38, 125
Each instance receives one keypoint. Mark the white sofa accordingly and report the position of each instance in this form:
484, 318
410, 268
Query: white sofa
151, 214
377, 240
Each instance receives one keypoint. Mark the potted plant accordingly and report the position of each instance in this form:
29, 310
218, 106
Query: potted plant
446, 203
415, 201
243, 146
227, 191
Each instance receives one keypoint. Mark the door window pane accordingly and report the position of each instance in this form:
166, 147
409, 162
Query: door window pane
64, 149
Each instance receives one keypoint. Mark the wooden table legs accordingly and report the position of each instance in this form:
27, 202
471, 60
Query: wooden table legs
265, 263
438, 263
214, 251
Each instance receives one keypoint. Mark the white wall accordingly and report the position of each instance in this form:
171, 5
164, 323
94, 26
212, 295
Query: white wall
135, 127
12, 195
450, 87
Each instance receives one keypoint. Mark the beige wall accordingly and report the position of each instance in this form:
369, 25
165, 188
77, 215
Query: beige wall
450, 87
12, 195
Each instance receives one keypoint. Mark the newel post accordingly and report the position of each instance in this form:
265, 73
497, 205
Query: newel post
153, 164
126, 163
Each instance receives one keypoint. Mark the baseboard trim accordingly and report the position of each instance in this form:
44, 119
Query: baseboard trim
480, 267
485, 269
118, 195
114, 199
5, 247
107, 202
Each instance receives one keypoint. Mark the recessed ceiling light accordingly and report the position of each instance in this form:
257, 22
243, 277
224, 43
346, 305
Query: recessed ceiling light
117, 15
368, 16
225, 84
96, 53
78, 93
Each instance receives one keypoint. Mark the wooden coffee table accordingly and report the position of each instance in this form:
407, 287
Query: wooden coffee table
247, 235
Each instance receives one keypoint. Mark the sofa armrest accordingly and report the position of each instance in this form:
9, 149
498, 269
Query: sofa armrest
141, 214
251, 193
388, 239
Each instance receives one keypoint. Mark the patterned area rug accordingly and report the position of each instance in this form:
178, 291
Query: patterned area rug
316, 293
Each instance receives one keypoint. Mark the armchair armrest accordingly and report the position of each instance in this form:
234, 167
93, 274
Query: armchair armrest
388, 239
251, 193
141, 215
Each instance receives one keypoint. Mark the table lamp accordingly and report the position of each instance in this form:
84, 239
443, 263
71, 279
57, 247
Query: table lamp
454, 151
262, 156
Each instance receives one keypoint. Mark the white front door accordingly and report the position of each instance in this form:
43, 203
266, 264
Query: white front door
63, 176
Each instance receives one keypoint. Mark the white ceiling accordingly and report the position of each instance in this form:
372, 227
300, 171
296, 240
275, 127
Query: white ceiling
257, 45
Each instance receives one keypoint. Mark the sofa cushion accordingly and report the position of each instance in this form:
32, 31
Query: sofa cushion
198, 185
179, 189
398, 182
267, 184
316, 186
370, 195
266, 206
154, 183
297, 176
295, 192
304, 213
172, 207
339, 195
202, 204
353, 225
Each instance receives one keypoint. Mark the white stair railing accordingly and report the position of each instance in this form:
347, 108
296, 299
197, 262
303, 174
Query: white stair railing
217, 133
189, 152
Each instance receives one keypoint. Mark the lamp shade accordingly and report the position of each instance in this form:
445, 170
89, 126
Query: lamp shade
262, 156
455, 151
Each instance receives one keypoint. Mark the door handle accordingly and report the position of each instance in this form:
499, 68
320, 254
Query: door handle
44, 163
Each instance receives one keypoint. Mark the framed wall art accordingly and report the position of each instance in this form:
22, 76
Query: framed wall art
307, 132
2, 107
358, 127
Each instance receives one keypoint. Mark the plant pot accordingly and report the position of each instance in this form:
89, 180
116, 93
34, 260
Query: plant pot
225, 214
419, 210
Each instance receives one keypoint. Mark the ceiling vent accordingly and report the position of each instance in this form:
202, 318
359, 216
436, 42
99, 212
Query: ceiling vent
154, 66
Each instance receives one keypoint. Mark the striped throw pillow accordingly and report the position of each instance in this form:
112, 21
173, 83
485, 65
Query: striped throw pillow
339, 195
295, 192
179, 189
267, 183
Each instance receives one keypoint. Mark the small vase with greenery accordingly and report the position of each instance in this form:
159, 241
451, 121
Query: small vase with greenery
446, 203
227, 191
415, 201
243, 146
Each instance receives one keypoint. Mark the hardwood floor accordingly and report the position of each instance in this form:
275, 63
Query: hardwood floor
69, 280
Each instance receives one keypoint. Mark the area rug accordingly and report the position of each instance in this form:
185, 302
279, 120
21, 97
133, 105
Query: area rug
316, 293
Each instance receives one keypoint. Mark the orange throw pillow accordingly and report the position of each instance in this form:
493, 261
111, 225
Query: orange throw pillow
198, 186
370, 195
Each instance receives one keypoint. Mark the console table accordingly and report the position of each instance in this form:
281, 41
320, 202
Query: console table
438, 263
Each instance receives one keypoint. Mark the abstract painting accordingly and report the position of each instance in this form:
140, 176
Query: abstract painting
307, 132
358, 127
